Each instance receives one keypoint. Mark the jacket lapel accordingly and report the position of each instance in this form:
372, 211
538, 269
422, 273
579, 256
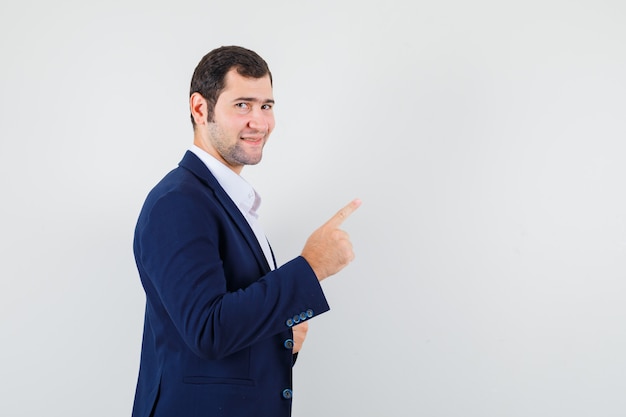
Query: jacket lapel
192, 163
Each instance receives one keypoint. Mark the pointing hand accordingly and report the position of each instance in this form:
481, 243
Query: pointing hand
328, 250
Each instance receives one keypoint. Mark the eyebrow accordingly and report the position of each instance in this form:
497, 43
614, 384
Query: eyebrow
255, 100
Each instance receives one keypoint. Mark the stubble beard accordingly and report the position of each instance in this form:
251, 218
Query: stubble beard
234, 154
237, 154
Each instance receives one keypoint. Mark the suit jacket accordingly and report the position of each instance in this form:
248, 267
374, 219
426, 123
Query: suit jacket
217, 336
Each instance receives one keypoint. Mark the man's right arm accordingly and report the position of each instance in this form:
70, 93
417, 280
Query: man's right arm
182, 255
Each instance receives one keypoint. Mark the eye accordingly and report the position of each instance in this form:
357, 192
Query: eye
242, 106
267, 107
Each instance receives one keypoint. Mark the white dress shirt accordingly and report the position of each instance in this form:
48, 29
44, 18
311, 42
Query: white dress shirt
241, 192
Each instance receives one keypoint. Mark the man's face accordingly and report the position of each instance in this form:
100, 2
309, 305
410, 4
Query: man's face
242, 122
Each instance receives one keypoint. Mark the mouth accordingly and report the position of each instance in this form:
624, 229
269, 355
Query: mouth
253, 139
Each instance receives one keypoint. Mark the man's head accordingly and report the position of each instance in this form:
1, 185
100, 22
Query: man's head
231, 105
209, 77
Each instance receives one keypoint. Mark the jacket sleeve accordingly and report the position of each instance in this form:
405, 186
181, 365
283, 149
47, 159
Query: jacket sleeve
187, 251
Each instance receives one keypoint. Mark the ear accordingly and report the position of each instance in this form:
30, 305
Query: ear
198, 107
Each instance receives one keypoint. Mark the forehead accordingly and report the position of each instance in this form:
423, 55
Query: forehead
236, 85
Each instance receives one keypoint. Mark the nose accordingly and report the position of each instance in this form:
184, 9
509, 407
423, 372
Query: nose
260, 122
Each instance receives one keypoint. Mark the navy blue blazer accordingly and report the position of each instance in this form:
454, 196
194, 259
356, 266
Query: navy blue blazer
217, 333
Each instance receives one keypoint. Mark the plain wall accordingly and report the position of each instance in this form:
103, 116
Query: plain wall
486, 139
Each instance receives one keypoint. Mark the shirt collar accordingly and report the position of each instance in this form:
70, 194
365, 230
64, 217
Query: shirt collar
237, 188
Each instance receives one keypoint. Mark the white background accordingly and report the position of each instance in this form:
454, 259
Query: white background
485, 138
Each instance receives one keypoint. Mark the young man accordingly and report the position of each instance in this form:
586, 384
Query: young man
223, 323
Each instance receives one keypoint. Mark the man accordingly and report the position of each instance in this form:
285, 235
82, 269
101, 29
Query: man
223, 324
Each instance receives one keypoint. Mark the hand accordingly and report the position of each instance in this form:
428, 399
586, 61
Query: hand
328, 250
299, 334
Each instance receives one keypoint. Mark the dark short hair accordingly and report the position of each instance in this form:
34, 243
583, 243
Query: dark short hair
209, 76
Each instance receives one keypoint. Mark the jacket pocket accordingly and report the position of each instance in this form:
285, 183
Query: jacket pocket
217, 380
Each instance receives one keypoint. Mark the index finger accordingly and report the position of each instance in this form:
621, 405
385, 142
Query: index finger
343, 214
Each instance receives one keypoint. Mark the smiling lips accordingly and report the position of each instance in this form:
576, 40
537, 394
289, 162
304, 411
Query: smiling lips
253, 139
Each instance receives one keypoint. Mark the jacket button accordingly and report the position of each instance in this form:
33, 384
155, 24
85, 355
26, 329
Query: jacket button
288, 344
287, 394
309, 313
303, 316
289, 322
296, 319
